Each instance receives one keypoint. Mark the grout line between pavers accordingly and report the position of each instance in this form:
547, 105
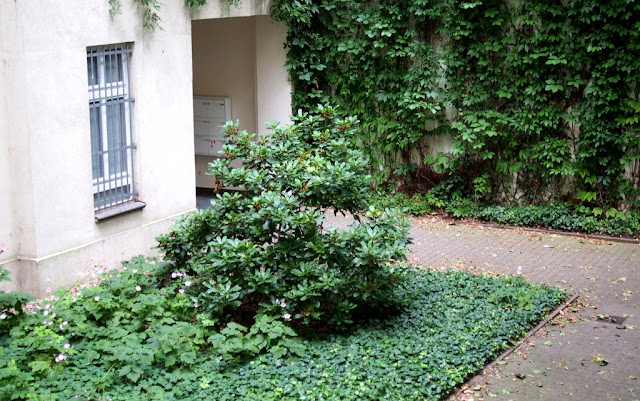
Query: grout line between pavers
475, 381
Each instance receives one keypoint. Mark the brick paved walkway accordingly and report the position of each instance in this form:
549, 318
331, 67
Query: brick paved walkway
585, 354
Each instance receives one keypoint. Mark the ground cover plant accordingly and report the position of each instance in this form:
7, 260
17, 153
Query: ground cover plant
126, 339
558, 216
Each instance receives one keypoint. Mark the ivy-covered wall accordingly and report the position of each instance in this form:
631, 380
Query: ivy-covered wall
541, 97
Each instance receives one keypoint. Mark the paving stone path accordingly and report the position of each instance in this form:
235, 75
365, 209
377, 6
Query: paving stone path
592, 351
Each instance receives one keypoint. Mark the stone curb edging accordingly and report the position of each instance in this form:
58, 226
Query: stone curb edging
475, 381
549, 231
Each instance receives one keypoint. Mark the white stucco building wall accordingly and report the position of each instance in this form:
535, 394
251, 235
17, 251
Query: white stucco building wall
47, 217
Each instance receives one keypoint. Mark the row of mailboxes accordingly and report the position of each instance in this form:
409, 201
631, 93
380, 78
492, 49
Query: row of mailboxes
209, 116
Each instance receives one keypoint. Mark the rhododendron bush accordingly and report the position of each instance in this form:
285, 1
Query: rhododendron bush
263, 254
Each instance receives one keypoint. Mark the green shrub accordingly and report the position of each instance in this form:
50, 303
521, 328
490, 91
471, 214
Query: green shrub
10, 302
558, 216
266, 252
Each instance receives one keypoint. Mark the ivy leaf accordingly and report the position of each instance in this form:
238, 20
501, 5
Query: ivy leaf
552, 86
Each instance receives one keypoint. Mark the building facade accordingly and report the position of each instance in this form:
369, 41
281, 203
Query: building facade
97, 149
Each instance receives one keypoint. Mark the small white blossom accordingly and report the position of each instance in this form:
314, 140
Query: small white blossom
187, 283
138, 288
283, 304
67, 346
97, 298
287, 316
181, 290
3, 316
60, 358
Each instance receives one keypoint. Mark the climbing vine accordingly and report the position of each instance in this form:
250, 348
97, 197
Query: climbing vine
540, 98
150, 10
375, 59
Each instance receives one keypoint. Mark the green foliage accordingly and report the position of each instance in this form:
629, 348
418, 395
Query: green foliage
544, 94
107, 335
150, 10
265, 252
559, 216
10, 302
126, 338
562, 217
415, 204
374, 59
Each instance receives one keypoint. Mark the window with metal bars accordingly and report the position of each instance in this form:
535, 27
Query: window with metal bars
110, 116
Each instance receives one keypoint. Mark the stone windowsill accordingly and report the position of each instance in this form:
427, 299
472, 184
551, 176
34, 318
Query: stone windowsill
118, 210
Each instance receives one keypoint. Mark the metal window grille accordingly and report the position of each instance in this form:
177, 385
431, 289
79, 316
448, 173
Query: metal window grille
110, 116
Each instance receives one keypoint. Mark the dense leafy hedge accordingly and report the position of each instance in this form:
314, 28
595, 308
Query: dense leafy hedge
127, 339
559, 216
542, 96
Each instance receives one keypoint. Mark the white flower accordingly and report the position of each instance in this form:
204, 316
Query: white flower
134, 271
3, 316
67, 346
174, 275
138, 288
287, 316
45, 312
181, 290
97, 298
283, 304
519, 271
61, 357
187, 283
195, 304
